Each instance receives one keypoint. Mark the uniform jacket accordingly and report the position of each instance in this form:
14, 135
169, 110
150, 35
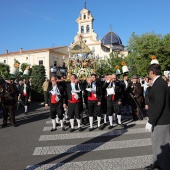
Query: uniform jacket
98, 90
28, 90
48, 94
68, 90
118, 91
159, 104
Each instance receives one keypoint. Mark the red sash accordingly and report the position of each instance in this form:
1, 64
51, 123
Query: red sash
53, 99
73, 99
113, 97
92, 97
24, 94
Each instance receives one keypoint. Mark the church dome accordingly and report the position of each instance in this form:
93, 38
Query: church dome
111, 38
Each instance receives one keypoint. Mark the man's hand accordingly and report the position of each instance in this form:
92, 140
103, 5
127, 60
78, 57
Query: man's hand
46, 105
148, 127
99, 103
119, 103
64, 105
146, 107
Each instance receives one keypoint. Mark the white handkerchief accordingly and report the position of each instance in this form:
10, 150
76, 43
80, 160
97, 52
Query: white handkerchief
88, 89
110, 91
75, 91
57, 98
93, 89
148, 127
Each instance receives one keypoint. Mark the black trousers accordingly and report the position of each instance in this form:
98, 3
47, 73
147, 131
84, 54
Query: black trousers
25, 100
8, 109
93, 108
56, 109
113, 107
74, 109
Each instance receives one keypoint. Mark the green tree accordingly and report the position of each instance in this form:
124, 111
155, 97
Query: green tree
108, 65
4, 70
141, 48
37, 78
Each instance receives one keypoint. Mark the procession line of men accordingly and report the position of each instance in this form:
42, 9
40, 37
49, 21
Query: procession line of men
102, 99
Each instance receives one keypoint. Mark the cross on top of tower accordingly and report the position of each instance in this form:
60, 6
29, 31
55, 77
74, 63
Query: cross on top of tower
110, 28
85, 4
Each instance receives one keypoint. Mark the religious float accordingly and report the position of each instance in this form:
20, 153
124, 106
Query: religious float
82, 61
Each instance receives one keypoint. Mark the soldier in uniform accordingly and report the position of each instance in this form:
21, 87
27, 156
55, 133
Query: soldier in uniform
7, 99
125, 94
136, 93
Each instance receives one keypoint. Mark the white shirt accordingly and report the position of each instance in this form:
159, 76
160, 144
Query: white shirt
126, 83
155, 79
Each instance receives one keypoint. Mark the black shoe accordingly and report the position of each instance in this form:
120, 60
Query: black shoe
123, 126
104, 125
91, 129
26, 113
71, 130
151, 167
110, 127
101, 127
53, 129
80, 129
4, 125
63, 129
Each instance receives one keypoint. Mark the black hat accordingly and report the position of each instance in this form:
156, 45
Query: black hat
125, 74
134, 77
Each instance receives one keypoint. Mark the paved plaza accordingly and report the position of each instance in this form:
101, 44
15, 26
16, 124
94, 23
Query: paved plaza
31, 145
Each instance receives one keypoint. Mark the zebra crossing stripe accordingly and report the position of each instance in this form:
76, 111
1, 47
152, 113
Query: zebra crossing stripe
115, 132
115, 164
91, 147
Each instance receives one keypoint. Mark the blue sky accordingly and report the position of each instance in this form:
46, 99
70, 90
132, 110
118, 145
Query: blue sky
35, 24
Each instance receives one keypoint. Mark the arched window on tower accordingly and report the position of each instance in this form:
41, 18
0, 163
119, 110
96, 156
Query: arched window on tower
82, 29
84, 16
87, 28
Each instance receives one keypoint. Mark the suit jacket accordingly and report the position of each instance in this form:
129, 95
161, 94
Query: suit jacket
48, 94
98, 90
28, 90
147, 95
159, 104
125, 90
68, 90
118, 91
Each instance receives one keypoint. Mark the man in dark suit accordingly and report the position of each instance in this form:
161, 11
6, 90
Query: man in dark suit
56, 100
159, 119
94, 97
73, 94
114, 99
126, 105
25, 94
